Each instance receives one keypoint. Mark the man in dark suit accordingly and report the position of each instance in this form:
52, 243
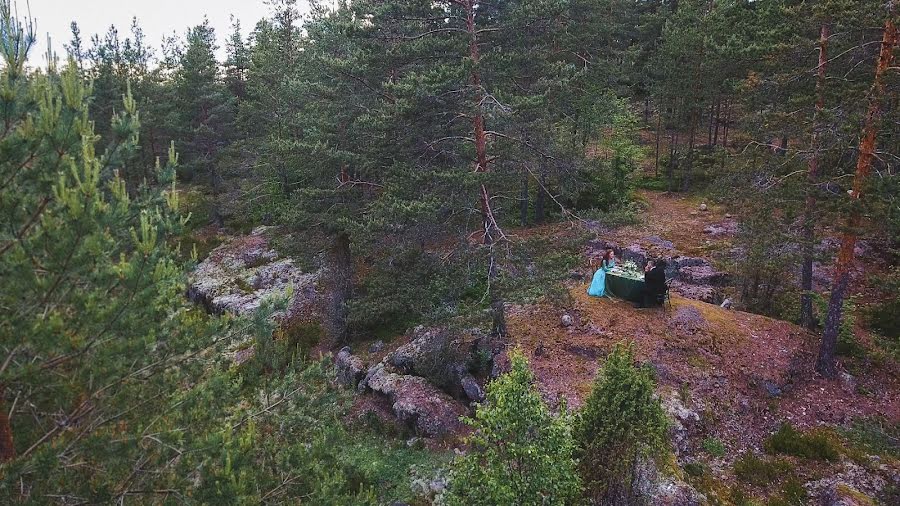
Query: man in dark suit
654, 283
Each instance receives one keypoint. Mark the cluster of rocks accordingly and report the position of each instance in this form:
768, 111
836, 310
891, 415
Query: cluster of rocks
853, 485
691, 277
241, 273
428, 381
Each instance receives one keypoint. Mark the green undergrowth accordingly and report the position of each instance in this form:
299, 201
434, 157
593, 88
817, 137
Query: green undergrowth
818, 444
875, 436
760, 471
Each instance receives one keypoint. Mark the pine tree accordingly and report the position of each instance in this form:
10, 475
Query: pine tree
206, 112
520, 453
90, 283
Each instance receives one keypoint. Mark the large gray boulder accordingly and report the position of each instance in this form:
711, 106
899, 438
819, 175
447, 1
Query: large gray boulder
416, 402
242, 272
350, 368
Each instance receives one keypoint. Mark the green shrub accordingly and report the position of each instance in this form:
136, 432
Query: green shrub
714, 447
758, 471
621, 421
815, 445
520, 453
695, 469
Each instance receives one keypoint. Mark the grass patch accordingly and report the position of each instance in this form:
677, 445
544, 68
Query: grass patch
714, 447
759, 471
813, 445
876, 436
792, 494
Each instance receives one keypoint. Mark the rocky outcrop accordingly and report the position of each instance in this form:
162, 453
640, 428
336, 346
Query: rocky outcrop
685, 422
652, 487
416, 402
688, 320
238, 275
350, 368
426, 381
728, 227
853, 486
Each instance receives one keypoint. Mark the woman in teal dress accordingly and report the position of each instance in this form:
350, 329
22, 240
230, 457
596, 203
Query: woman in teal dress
598, 284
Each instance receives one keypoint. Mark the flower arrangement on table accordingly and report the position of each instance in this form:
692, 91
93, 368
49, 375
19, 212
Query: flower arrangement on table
628, 269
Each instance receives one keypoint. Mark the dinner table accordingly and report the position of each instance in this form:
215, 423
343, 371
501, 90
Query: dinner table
628, 285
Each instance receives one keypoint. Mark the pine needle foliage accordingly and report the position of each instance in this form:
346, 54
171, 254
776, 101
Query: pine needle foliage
621, 421
520, 453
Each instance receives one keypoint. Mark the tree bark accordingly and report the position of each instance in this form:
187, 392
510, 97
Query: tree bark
658, 124
481, 165
689, 162
523, 199
726, 124
540, 203
340, 276
806, 306
717, 121
846, 256
7, 449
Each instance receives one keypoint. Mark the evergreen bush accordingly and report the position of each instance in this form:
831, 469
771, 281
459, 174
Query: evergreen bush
621, 421
520, 453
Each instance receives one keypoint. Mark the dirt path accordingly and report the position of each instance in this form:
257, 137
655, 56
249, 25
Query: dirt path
673, 218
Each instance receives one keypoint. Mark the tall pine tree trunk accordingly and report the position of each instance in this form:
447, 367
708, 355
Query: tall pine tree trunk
846, 256
806, 304
718, 120
340, 280
658, 125
481, 165
540, 203
689, 161
523, 200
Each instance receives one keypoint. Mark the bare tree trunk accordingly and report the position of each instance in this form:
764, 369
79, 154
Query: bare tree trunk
658, 125
806, 306
717, 121
340, 277
523, 199
846, 256
725, 126
540, 203
481, 165
689, 162
481, 160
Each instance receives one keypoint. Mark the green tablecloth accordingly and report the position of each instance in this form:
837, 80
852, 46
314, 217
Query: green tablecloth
623, 287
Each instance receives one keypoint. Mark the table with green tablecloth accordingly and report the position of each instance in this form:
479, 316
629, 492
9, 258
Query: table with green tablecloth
624, 287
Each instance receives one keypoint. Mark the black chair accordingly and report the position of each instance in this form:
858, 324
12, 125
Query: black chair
664, 299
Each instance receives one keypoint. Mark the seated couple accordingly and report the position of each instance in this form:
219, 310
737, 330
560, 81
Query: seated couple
654, 280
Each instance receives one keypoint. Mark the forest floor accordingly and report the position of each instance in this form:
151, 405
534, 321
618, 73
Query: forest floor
743, 374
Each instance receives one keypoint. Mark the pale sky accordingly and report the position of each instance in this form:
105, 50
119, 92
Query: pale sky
156, 17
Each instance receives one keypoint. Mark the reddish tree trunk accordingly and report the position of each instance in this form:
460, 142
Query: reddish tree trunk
478, 119
806, 310
7, 449
844, 264
481, 165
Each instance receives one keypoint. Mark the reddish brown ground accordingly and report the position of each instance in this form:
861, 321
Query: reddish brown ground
722, 366
676, 218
